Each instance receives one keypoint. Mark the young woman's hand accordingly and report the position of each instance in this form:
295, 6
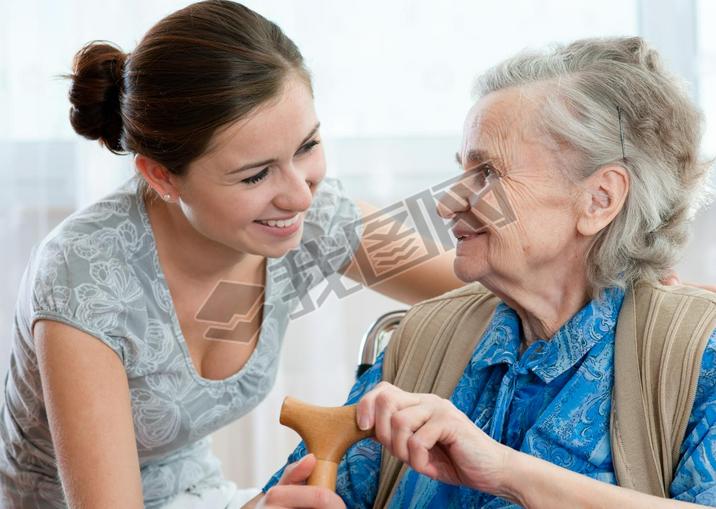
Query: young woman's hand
291, 490
434, 438
672, 278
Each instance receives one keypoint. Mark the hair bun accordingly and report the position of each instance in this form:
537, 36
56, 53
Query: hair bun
95, 93
640, 53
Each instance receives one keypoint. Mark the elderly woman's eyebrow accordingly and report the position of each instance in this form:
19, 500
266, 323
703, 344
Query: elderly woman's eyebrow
475, 157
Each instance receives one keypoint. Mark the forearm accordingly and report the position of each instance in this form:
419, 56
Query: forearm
408, 283
710, 288
253, 502
534, 484
429, 279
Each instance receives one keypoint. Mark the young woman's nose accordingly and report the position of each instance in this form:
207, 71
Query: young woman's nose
295, 193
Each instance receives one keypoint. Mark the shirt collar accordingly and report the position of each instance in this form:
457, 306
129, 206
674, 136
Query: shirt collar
549, 359
501, 341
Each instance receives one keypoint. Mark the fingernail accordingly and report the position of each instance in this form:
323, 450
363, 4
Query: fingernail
363, 422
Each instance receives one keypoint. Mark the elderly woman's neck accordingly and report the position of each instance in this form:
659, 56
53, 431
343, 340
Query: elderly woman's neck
543, 306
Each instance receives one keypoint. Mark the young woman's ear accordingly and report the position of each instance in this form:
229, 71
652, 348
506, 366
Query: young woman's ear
157, 176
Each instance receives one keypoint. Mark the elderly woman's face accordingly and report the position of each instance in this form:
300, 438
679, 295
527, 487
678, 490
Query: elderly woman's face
524, 219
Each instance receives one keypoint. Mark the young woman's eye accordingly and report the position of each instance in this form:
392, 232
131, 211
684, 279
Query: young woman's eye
256, 178
308, 146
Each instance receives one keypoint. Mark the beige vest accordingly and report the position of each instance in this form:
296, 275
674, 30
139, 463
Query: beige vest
660, 338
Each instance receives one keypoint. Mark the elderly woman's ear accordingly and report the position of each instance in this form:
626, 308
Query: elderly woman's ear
602, 198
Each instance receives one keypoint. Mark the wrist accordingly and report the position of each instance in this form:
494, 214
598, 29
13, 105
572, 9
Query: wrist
515, 477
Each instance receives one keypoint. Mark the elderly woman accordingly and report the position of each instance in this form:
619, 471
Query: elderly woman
594, 148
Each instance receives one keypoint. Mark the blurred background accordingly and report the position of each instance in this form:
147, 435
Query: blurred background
392, 85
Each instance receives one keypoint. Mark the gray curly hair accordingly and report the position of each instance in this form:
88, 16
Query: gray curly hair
594, 86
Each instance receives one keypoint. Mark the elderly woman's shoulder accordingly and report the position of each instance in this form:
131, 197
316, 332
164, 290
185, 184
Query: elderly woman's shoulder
453, 304
703, 293
469, 291
447, 322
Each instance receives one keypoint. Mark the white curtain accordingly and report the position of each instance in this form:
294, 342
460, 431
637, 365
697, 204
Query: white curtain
392, 83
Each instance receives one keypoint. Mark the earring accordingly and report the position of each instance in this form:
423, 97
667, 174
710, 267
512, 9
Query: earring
166, 197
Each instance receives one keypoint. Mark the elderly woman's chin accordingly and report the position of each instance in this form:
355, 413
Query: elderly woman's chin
472, 266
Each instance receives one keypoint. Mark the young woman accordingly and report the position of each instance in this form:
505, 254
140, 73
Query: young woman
116, 379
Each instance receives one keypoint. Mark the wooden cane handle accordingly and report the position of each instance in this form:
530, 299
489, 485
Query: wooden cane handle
324, 474
328, 432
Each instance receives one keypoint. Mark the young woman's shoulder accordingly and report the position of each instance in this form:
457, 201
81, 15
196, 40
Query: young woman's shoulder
333, 225
81, 272
332, 229
332, 212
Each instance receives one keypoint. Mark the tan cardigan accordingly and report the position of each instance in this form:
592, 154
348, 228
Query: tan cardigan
661, 334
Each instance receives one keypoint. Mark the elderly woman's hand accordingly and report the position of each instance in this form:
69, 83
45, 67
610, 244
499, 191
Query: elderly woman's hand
291, 490
434, 438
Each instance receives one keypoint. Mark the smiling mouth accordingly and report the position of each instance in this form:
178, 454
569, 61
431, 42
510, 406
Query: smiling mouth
467, 236
279, 223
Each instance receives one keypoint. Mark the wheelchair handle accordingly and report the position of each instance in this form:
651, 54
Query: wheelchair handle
374, 341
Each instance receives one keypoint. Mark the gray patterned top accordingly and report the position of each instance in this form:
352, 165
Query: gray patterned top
99, 272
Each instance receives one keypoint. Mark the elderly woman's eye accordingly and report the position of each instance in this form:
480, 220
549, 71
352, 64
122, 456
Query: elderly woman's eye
483, 173
488, 171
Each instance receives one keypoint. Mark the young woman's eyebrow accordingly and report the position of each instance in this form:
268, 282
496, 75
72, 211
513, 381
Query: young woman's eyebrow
310, 135
271, 161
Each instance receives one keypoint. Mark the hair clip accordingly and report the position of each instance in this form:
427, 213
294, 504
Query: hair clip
621, 132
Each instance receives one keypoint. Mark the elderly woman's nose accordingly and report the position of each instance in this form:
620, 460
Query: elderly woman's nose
452, 202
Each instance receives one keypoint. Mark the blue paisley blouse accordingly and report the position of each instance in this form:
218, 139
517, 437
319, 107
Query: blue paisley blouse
552, 401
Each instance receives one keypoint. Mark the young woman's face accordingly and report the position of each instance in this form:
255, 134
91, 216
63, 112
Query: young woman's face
250, 191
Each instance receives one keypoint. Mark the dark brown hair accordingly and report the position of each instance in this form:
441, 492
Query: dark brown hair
198, 69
